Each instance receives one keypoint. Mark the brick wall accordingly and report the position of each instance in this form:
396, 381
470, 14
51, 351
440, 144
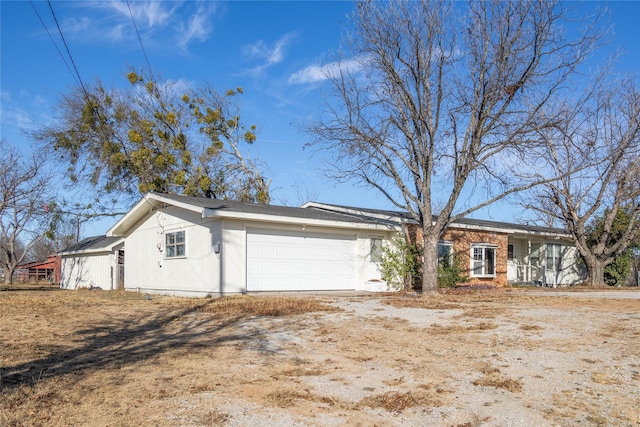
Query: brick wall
462, 240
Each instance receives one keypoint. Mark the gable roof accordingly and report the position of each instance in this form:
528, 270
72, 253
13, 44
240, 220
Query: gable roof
468, 223
215, 208
92, 245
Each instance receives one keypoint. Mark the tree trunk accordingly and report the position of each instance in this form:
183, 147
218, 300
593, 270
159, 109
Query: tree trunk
429, 262
595, 271
8, 276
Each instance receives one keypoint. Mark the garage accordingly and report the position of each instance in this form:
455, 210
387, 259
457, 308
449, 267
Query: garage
279, 260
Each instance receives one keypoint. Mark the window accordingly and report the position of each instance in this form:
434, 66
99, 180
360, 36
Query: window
445, 253
554, 257
174, 244
510, 252
376, 249
483, 260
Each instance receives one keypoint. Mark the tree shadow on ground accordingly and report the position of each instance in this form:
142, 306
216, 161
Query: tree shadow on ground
121, 342
29, 286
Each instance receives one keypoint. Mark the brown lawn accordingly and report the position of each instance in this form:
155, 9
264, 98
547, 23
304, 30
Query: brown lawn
465, 358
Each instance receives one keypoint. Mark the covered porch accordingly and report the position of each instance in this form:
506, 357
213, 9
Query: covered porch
548, 261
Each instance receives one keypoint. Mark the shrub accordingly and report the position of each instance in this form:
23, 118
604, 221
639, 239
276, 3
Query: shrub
451, 273
400, 264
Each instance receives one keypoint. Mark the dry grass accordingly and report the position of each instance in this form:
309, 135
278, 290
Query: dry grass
497, 381
394, 401
116, 358
260, 306
603, 378
286, 398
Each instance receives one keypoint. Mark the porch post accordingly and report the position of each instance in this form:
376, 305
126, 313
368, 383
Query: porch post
528, 273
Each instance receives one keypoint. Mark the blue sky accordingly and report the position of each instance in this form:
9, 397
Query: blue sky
273, 50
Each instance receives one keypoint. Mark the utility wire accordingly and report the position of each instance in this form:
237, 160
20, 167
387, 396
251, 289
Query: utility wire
67, 48
144, 52
54, 42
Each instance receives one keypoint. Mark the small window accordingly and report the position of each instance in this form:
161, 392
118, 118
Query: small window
445, 253
174, 244
510, 252
483, 260
376, 249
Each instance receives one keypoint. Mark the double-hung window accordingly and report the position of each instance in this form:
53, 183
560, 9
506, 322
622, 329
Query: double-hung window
174, 244
554, 257
483, 260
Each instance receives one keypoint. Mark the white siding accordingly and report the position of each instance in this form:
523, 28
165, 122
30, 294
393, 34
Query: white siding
570, 271
148, 270
88, 270
202, 271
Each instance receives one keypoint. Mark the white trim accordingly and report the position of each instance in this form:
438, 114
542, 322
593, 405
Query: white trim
277, 219
483, 246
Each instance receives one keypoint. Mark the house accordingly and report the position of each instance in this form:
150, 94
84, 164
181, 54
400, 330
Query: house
494, 253
191, 246
95, 262
181, 245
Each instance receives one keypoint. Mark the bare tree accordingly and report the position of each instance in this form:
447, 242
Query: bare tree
24, 185
602, 146
440, 98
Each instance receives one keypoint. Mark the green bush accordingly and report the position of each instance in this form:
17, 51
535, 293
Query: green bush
451, 273
617, 273
400, 264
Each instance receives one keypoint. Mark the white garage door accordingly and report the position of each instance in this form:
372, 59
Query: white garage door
295, 261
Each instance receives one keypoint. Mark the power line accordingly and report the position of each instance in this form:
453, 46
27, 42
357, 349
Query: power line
53, 41
68, 51
144, 52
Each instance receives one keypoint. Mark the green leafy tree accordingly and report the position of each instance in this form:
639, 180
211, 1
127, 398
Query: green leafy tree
156, 137
617, 268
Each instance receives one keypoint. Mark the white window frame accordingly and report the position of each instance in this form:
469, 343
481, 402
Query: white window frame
482, 262
554, 256
172, 244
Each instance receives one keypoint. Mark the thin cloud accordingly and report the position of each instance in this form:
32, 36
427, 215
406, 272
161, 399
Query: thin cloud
14, 117
147, 13
270, 55
198, 26
160, 23
319, 73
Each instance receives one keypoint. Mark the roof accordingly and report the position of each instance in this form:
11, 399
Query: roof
477, 224
39, 265
92, 244
274, 210
312, 213
216, 208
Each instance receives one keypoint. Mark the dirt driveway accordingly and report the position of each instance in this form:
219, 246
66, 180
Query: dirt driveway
471, 358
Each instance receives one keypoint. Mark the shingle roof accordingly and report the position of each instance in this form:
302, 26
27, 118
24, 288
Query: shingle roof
92, 243
275, 210
529, 229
